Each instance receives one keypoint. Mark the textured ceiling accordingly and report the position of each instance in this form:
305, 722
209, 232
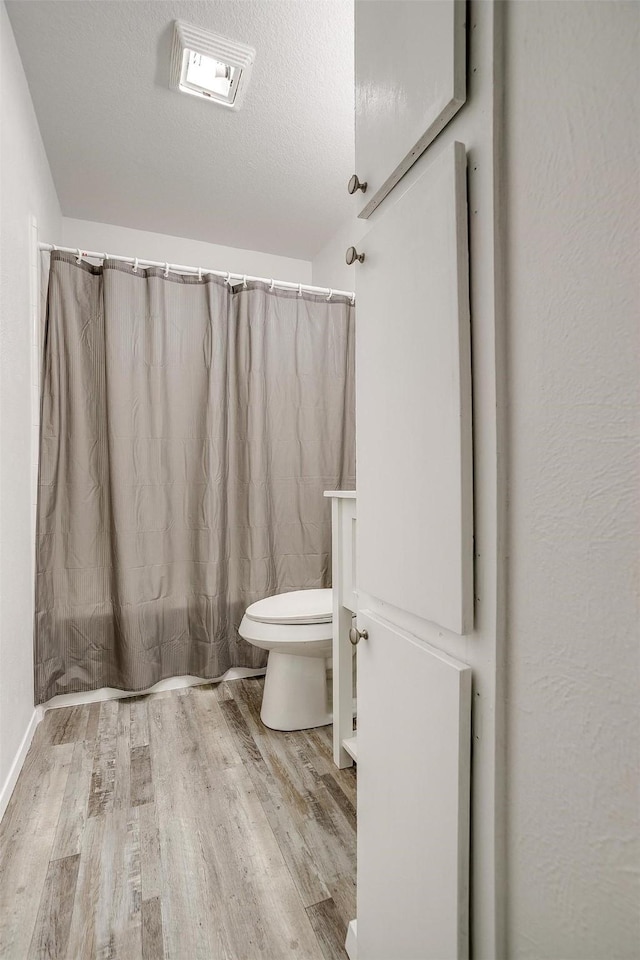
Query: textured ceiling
126, 149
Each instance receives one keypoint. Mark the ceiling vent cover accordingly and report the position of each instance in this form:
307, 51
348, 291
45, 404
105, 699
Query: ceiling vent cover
208, 66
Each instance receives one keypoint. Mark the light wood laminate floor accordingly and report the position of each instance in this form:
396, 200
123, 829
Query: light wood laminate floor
176, 825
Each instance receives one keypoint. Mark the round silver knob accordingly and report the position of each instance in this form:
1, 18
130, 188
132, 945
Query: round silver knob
355, 635
352, 255
354, 184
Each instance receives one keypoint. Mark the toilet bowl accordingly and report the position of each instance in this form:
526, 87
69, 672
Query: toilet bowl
296, 629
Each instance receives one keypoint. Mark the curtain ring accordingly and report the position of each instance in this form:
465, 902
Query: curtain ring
330, 294
53, 248
228, 278
299, 289
135, 265
199, 273
353, 299
106, 256
79, 257
272, 284
166, 270
244, 281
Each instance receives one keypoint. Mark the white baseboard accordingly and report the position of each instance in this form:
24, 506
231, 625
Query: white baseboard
18, 760
171, 683
351, 943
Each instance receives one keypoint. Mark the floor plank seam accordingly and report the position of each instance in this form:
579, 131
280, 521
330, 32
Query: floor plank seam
182, 827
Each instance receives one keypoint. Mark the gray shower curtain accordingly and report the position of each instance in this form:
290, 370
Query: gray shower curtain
188, 431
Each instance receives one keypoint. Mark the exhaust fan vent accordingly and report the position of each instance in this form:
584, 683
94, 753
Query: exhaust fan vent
208, 66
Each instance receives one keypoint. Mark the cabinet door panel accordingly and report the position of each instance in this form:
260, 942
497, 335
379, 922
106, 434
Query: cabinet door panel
413, 402
410, 81
414, 706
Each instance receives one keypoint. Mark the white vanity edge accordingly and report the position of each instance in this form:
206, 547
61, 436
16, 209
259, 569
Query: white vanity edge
343, 510
350, 744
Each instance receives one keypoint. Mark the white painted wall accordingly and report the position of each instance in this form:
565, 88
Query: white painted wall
26, 189
329, 267
106, 237
573, 726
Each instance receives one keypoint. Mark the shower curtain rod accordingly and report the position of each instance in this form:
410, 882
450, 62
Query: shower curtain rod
200, 271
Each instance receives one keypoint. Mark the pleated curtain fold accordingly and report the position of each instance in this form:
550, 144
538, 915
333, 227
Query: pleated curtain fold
188, 431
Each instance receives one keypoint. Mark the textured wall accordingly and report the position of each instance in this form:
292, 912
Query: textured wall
572, 643
329, 266
26, 189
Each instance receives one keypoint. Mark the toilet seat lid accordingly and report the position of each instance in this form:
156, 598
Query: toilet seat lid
299, 606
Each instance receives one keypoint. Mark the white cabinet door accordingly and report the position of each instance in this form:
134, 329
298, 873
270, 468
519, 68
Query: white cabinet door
413, 798
410, 81
413, 401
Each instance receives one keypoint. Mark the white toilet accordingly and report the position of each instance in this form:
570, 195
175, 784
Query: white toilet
296, 629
